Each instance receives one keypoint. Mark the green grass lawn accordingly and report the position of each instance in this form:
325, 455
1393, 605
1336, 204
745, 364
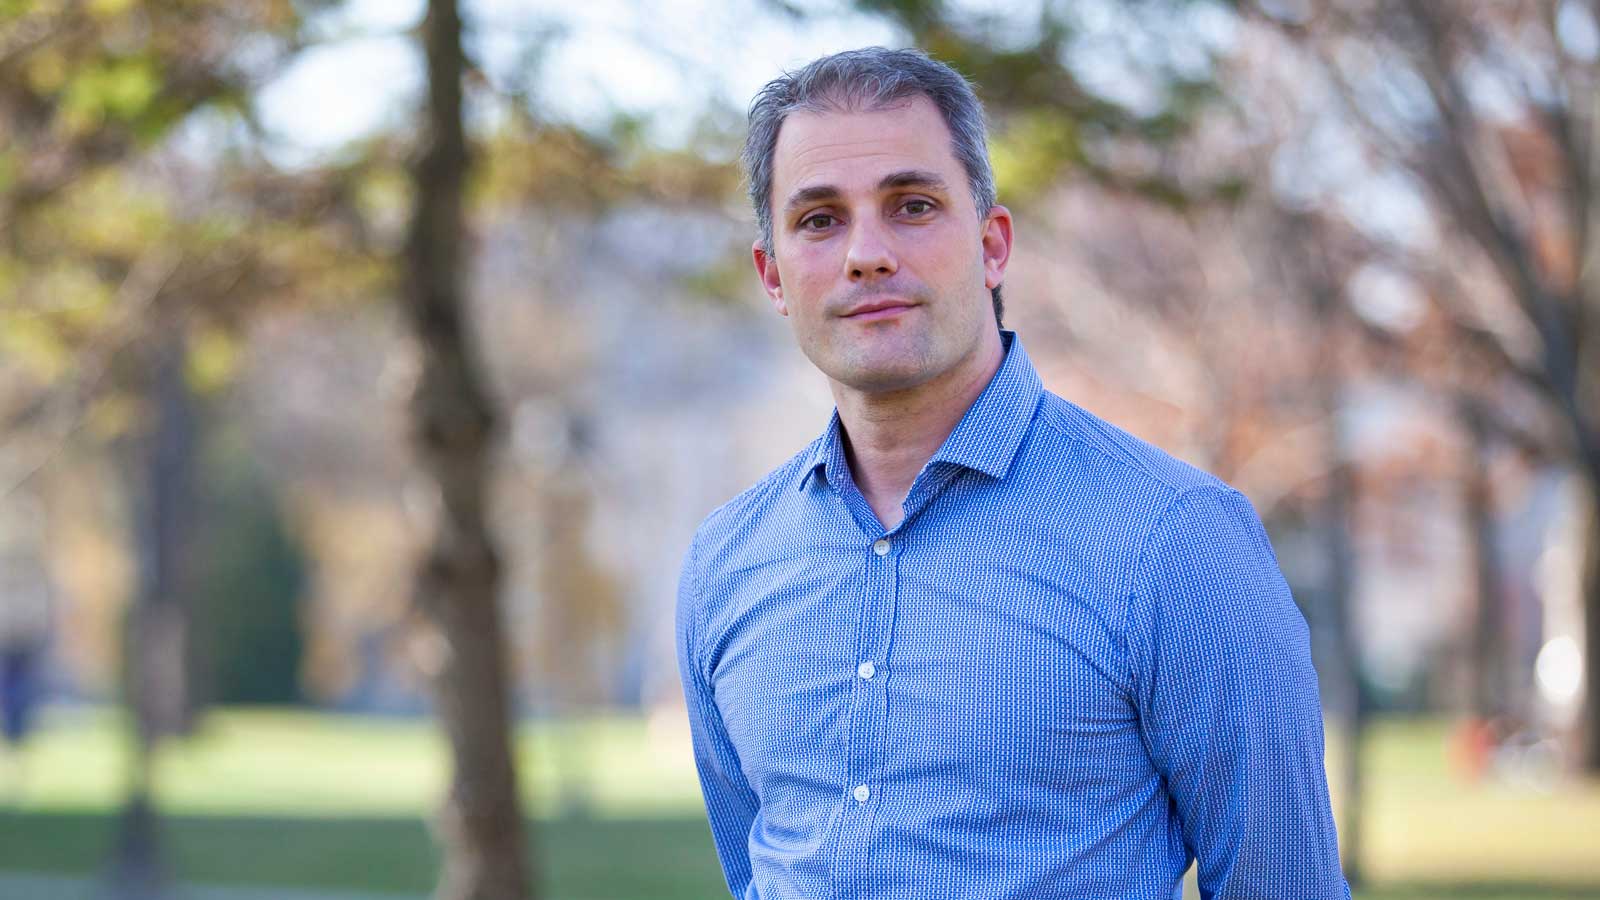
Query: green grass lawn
1424, 822
312, 800
582, 859
294, 763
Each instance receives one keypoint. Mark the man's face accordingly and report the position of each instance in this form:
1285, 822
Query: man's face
880, 260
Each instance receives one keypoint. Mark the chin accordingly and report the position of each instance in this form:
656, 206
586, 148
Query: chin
880, 366
895, 375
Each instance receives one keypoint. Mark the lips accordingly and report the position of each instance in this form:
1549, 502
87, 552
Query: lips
878, 309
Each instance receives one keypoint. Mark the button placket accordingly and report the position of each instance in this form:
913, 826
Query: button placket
866, 725
863, 789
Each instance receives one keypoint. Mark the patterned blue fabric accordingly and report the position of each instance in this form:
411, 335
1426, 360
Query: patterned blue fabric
1072, 669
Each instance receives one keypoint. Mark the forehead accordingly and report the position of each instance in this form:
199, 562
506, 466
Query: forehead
856, 147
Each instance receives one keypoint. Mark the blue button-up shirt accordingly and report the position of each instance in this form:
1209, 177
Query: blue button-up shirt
1071, 670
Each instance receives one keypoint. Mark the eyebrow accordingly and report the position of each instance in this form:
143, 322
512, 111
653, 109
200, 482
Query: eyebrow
913, 178
902, 179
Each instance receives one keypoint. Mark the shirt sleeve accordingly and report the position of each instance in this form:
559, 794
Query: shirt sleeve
730, 803
1228, 703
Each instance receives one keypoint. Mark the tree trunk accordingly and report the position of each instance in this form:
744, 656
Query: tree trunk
1590, 759
454, 425
1316, 275
158, 682
1490, 689
1341, 556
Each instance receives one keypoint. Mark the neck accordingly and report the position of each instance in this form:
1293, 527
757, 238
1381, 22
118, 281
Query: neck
890, 436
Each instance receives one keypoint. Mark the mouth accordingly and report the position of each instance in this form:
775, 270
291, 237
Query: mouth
879, 309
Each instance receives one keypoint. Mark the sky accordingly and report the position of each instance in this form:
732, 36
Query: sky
662, 59
668, 60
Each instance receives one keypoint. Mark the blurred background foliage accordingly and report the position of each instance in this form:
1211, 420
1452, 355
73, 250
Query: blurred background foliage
1340, 254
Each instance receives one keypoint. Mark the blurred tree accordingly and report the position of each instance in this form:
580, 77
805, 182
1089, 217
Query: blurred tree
1107, 93
1490, 687
1486, 112
158, 661
114, 259
248, 580
1317, 273
457, 586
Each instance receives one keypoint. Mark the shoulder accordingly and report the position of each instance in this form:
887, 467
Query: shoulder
740, 539
1166, 515
1095, 476
751, 506
1114, 454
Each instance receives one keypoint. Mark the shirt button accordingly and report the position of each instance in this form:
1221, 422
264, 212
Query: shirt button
867, 670
862, 792
881, 546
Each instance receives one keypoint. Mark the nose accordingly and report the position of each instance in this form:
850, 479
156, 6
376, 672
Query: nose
870, 255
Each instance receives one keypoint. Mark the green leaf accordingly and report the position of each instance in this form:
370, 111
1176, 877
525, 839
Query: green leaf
28, 338
112, 90
213, 359
130, 86
1032, 152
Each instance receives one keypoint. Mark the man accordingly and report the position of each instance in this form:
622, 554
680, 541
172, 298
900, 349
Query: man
974, 642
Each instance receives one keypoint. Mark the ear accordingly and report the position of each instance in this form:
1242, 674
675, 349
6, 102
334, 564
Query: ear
996, 246
767, 269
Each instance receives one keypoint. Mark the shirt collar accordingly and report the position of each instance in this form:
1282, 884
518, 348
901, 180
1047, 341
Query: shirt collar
988, 435
826, 452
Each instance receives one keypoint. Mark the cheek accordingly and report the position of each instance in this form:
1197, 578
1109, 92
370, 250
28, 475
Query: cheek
808, 274
951, 239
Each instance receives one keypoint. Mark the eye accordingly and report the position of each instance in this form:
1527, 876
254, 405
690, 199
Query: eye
816, 222
916, 207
